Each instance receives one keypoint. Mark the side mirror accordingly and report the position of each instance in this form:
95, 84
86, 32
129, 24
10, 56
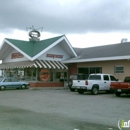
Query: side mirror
117, 79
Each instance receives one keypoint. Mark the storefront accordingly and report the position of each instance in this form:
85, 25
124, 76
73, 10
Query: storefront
38, 62
36, 71
110, 59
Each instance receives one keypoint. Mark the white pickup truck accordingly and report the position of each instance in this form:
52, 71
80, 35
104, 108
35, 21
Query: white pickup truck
76, 80
96, 83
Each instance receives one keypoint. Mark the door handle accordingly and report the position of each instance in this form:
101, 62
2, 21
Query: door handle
104, 82
78, 81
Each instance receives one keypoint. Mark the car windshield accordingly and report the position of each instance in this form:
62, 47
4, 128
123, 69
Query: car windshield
1, 79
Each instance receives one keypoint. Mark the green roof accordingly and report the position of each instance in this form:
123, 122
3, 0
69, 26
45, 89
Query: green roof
33, 48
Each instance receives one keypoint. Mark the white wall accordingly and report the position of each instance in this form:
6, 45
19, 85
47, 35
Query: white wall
8, 58
57, 50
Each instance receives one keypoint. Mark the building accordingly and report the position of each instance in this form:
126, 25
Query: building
49, 62
37, 61
113, 59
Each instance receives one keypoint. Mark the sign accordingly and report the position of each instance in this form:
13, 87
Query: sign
122, 124
45, 75
54, 56
17, 55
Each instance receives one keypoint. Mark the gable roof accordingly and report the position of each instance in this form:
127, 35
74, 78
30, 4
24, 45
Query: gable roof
33, 50
100, 53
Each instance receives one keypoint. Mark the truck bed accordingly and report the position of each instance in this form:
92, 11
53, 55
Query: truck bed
120, 85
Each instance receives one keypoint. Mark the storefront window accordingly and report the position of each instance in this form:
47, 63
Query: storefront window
83, 70
20, 73
60, 76
90, 70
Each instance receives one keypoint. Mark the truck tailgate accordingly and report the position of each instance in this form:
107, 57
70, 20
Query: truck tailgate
120, 85
78, 82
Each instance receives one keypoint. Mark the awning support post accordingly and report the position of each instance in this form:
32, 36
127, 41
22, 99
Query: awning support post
36, 73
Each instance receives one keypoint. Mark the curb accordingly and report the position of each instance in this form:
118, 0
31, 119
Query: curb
48, 88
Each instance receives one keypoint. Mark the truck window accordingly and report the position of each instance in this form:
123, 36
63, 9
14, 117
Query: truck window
95, 77
105, 77
127, 79
74, 77
82, 77
113, 78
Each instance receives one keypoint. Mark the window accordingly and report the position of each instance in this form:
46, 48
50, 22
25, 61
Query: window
106, 77
95, 77
95, 70
90, 70
82, 77
119, 69
127, 79
14, 80
83, 70
7, 80
113, 78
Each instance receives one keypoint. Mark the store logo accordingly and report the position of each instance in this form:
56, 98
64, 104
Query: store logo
123, 124
45, 75
17, 55
54, 56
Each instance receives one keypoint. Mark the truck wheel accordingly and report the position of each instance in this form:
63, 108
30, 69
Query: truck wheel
72, 89
95, 90
80, 91
118, 94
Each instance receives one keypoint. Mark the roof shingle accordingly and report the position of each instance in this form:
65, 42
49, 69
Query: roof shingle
120, 49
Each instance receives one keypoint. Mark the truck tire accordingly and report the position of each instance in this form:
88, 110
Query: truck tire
118, 94
70, 83
80, 91
72, 89
95, 90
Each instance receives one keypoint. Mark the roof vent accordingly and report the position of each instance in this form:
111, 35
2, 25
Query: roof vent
34, 34
124, 40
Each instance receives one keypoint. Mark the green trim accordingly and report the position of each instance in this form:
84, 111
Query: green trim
33, 48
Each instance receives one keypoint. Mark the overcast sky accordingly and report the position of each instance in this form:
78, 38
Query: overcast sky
84, 22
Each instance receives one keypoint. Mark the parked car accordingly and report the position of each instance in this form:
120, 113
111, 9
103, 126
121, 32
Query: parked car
96, 83
121, 87
76, 80
11, 83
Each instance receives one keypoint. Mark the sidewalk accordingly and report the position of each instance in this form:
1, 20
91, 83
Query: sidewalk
48, 88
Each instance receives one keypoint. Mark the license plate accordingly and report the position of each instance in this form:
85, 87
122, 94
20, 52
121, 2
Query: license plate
119, 90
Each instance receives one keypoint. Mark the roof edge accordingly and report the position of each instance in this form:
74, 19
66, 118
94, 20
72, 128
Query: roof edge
72, 49
19, 50
97, 59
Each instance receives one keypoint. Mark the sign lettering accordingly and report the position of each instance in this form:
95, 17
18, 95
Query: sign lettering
54, 56
16, 55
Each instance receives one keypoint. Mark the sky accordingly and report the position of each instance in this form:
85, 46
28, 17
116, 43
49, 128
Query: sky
85, 23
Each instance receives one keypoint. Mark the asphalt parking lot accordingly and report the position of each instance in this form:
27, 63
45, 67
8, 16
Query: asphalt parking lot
60, 109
